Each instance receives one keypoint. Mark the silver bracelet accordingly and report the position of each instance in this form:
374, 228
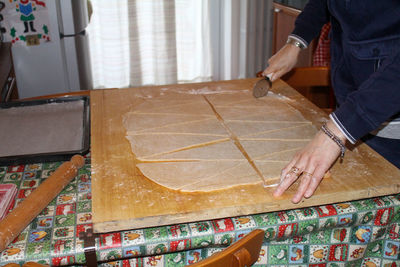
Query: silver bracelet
336, 139
295, 42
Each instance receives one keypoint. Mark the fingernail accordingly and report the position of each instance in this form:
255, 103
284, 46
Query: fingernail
308, 194
295, 201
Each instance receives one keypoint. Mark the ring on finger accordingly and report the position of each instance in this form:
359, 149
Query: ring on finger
295, 170
308, 174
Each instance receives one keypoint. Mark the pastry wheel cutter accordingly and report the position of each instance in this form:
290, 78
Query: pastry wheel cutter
262, 87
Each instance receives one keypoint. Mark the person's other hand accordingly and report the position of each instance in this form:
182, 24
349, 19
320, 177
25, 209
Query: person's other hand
282, 62
310, 164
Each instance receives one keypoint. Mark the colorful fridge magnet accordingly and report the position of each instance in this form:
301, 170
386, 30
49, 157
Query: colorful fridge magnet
26, 22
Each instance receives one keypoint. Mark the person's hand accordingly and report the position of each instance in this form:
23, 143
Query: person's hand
310, 164
282, 62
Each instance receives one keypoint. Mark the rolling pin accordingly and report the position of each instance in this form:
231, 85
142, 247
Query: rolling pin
16, 221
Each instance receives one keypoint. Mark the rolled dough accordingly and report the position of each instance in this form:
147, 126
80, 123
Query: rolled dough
214, 141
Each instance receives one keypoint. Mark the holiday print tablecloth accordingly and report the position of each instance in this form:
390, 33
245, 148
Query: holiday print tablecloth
358, 233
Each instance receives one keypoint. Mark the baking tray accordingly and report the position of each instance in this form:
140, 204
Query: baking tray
45, 118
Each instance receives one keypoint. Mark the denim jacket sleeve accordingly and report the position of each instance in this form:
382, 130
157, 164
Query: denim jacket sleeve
310, 21
375, 101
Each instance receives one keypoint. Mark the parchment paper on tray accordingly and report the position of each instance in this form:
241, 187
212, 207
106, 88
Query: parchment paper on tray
43, 130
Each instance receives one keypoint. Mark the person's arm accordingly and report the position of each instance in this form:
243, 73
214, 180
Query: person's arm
307, 26
310, 21
375, 101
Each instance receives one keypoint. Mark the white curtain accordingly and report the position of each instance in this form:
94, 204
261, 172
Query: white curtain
153, 42
241, 37
193, 40
109, 43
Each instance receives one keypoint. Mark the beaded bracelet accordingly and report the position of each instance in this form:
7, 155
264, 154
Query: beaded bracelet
336, 139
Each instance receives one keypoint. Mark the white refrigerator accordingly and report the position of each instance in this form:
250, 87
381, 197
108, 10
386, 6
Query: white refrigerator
61, 65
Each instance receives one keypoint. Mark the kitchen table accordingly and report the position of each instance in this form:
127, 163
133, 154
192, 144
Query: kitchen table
363, 232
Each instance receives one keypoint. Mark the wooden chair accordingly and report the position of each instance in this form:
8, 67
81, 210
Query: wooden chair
308, 76
244, 252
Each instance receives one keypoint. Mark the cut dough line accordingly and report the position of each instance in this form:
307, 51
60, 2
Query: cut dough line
234, 103
272, 160
175, 104
186, 148
236, 141
273, 130
272, 139
278, 152
171, 113
183, 188
264, 108
245, 101
251, 110
230, 104
209, 177
175, 133
293, 122
169, 125
190, 160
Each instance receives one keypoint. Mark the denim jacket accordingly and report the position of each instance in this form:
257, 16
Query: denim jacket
365, 60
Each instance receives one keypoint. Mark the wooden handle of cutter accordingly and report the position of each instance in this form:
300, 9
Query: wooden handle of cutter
16, 221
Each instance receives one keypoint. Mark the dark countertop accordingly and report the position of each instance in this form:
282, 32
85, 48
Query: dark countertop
297, 4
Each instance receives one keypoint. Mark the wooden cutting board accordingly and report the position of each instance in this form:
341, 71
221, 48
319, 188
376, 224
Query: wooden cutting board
125, 199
